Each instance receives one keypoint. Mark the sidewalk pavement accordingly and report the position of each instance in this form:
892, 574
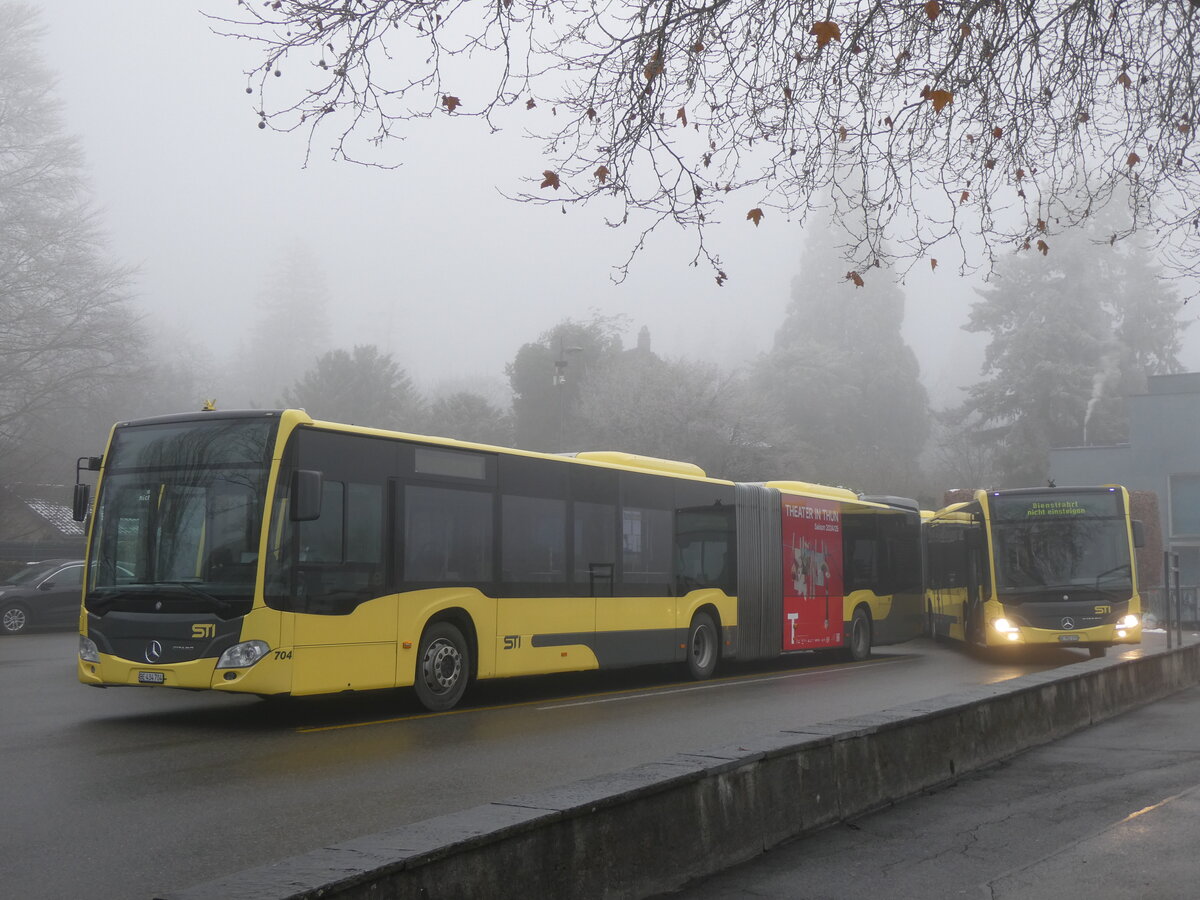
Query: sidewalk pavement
1108, 812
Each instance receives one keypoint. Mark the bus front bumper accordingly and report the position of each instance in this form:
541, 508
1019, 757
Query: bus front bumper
1001, 633
270, 675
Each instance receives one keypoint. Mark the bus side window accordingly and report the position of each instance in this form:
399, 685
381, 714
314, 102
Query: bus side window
447, 535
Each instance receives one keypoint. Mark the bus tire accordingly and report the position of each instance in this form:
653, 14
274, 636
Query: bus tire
703, 647
443, 667
858, 638
14, 619
1097, 652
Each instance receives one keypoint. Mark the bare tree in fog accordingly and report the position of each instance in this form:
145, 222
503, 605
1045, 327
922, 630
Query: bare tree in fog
929, 122
1073, 333
67, 333
363, 387
842, 386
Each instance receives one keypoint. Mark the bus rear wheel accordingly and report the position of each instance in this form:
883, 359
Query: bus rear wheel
858, 644
443, 667
703, 647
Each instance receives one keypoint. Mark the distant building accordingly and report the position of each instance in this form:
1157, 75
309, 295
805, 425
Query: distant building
36, 523
1163, 456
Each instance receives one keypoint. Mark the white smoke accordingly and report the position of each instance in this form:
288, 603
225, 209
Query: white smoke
1108, 374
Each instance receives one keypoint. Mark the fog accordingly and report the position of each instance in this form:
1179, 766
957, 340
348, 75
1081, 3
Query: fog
428, 261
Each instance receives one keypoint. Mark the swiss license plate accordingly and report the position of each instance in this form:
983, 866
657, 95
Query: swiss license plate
1068, 638
151, 677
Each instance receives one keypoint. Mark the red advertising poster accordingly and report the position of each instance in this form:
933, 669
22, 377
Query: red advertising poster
812, 573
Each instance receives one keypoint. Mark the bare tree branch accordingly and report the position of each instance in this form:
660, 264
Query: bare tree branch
979, 126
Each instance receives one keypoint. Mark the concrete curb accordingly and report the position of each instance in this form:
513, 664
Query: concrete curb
655, 827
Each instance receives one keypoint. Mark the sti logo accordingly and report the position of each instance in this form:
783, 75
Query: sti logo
204, 630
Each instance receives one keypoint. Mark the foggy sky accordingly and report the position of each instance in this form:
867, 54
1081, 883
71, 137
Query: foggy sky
427, 261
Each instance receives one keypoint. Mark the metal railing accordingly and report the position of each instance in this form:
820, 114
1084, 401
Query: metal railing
1172, 605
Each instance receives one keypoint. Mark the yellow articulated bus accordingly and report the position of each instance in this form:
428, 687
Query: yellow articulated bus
267, 553
1035, 566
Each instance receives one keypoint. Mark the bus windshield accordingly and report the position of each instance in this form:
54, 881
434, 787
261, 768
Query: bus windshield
1061, 540
179, 516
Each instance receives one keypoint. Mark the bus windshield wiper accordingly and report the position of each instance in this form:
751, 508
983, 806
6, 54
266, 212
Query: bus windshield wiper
204, 595
100, 603
1123, 567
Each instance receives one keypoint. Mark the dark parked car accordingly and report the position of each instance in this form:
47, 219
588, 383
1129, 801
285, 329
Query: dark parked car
42, 595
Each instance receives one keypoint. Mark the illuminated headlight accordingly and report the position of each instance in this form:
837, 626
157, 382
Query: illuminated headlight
87, 650
1004, 626
239, 656
1130, 621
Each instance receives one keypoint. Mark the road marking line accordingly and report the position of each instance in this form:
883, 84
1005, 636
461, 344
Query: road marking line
608, 697
725, 682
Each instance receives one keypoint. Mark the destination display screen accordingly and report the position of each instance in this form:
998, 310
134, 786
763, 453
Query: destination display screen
1067, 505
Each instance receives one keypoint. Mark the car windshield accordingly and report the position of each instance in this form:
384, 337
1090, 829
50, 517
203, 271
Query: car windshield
1061, 540
180, 513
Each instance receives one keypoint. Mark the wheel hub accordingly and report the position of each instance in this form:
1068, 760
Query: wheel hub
14, 620
443, 664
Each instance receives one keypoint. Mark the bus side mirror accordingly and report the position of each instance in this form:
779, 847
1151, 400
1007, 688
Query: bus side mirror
306, 495
79, 502
1139, 533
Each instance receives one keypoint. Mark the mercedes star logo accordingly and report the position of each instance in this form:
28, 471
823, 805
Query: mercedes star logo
153, 652
1068, 623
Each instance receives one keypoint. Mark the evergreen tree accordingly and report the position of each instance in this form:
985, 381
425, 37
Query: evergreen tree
468, 416
1073, 332
841, 384
364, 387
292, 328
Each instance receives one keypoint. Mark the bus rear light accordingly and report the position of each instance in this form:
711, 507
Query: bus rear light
239, 656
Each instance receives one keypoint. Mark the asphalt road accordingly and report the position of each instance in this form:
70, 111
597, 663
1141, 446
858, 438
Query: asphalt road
115, 794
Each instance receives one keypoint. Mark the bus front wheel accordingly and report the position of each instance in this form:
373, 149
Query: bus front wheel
443, 667
858, 644
1097, 652
703, 647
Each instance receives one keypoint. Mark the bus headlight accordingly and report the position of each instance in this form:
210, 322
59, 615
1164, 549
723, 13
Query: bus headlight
1004, 626
239, 656
87, 650
1130, 621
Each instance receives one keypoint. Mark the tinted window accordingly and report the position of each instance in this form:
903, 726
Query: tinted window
335, 562
595, 532
533, 546
447, 535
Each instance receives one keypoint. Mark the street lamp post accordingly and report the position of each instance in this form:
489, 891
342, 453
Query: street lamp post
560, 382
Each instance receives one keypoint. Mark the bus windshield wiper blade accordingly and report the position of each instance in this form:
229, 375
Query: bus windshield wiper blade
101, 600
204, 595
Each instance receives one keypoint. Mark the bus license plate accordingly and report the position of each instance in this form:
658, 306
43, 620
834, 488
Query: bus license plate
151, 677
1068, 638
